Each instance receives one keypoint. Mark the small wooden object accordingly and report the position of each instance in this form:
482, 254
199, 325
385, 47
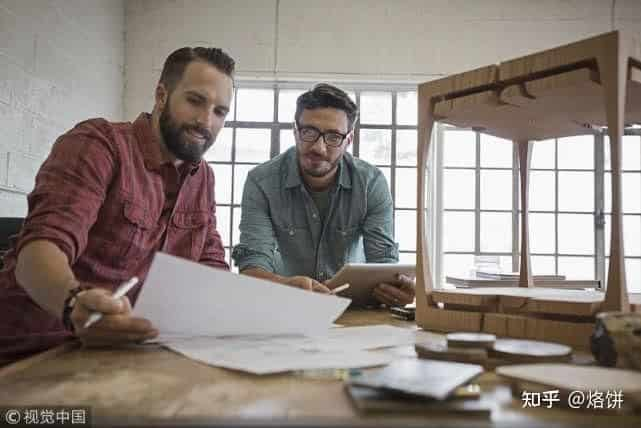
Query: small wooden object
470, 340
524, 351
444, 352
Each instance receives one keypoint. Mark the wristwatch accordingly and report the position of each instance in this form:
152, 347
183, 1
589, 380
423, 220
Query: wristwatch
68, 306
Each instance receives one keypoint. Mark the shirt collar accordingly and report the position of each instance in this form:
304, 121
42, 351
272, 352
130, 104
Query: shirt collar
150, 146
293, 178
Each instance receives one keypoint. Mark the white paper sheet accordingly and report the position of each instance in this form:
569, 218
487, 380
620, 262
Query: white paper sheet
260, 362
189, 299
346, 347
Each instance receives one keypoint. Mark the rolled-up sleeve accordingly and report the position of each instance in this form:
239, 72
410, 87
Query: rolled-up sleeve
70, 188
258, 245
378, 238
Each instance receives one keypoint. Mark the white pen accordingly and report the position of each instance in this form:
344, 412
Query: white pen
341, 288
123, 289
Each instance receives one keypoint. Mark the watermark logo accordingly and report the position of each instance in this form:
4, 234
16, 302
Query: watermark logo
593, 399
56, 416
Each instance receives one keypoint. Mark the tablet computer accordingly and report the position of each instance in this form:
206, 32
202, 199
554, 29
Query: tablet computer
363, 277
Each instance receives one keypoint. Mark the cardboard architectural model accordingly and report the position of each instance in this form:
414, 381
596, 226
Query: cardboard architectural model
570, 90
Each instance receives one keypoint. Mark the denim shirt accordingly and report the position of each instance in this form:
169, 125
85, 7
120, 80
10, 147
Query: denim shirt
281, 230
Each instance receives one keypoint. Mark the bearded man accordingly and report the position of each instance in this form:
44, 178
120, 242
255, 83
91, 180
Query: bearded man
105, 200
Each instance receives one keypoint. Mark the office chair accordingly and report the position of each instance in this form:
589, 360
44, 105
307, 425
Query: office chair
9, 226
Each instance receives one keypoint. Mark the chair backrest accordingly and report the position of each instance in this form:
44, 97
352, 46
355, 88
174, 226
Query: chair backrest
9, 226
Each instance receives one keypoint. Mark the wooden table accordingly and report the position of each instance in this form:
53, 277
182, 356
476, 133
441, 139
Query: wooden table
151, 386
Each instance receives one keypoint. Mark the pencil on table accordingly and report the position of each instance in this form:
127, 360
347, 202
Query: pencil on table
339, 289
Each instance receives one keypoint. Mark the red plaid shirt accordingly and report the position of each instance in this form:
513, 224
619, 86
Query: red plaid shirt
105, 197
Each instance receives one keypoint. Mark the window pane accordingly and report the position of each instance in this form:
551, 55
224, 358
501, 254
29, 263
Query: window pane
236, 231
223, 225
406, 108
287, 104
458, 265
222, 178
286, 139
631, 159
631, 153
607, 192
458, 231
542, 191
608, 234
376, 108
576, 234
633, 275
220, 151
406, 187
496, 232
459, 148
577, 267
407, 258
632, 235
576, 191
406, 140
252, 145
631, 189
496, 190
458, 189
495, 152
543, 265
576, 152
240, 175
542, 233
505, 263
405, 230
376, 146
542, 154
630, 192
255, 105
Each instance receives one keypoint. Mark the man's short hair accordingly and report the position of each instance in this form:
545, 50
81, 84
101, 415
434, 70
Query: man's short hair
324, 95
178, 60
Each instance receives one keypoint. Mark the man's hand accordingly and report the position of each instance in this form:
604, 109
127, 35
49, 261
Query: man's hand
399, 293
116, 326
306, 283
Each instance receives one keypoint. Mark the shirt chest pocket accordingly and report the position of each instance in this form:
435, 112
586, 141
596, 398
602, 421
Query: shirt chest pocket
135, 235
189, 234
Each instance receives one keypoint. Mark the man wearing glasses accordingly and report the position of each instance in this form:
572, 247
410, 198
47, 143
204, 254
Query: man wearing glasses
314, 208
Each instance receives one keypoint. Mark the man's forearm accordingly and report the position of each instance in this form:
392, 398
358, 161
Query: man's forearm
257, 272
43, 271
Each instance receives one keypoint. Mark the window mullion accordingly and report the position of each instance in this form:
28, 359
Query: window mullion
599, 208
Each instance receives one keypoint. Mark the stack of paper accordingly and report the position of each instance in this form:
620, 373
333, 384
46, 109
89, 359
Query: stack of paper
248, 324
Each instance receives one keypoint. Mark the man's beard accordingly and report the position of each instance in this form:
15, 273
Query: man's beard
174, 138
317, 172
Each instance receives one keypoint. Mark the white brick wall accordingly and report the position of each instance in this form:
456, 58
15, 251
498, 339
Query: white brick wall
61, 61
401, 40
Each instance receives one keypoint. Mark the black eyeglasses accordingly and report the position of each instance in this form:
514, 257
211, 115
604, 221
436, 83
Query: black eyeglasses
310, 134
